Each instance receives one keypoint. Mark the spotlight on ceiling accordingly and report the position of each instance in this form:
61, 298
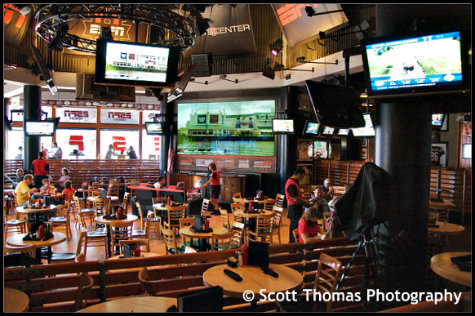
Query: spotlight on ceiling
276, 47
310, 11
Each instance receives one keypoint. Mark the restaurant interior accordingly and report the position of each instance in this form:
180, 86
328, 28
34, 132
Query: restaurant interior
132, 105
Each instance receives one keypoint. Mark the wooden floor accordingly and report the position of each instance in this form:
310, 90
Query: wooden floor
156, 244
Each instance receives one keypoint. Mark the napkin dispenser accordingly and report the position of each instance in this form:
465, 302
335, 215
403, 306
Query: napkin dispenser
258, 253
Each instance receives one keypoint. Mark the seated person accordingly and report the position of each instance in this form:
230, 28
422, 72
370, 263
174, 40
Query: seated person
327, 188
308, 228
47, 188
161, 183
18, 177
23, 192
318, 196
64, 177
68, 191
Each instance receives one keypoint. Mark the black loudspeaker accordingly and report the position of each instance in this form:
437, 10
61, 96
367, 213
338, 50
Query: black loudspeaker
269, 72
203, 65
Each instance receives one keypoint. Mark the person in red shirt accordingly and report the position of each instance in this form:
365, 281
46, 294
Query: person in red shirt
215, 187
308, 225
68, 191
40, 169
295, 201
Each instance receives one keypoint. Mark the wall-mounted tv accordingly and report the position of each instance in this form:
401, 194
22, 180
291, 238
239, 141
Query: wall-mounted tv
39, 128
467, 151
328, 130
343, 131
136, 64
282, 126
155, 128
366, 131
335, 105
438, 119
412, 64
232, 128
320, 149
311, 128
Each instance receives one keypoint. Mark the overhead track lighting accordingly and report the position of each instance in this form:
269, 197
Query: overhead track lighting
311, 11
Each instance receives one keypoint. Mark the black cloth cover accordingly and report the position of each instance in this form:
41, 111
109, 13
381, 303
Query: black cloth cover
369, 201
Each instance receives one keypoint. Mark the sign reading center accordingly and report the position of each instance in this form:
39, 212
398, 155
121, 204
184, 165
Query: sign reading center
114, 116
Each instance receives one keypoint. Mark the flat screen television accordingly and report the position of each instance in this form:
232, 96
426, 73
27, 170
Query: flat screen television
136, 64
311, 128
283, 126
328, 130
438, 119
366, 131
335, 105
155, 128
343, 131
39, 128
413, 64
227, 128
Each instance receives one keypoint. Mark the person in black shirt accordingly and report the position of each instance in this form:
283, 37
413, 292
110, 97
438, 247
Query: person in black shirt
131, 153
295, 201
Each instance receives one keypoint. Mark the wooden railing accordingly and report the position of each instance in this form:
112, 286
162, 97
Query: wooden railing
86, 170
177, 273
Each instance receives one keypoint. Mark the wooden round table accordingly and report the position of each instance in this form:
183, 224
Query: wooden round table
444, 205
101, 220
14, 301
443, 266
112, 197
187, 232
253, 279
17, 241
241, 213
446, 228
140, 304
29, 210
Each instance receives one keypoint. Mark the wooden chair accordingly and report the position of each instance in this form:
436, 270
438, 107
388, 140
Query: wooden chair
142, 242
86, 213
170, 242
144, 233
222, 241
328, 274
295, 232
174, 215
263, 228
279, 200
237, 195
339, 190
225, 218
188, 222
92, 193
102, 206
269, 204
83, 291
147, 283
238, 237
119, 230
238, 200
63, 220
277, 221
95, 185
125, 201
60, 257
234, 208
113, 190
14, 225
160, 199
92, 237
139, 210
205, 207
155, 223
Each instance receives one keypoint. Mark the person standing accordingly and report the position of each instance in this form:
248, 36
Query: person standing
56, 152
131, 153
40, 169
19, 156
295, 201
215, 187
110, 152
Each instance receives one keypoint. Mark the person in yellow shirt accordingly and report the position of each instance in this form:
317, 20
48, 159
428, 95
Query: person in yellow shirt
23, 191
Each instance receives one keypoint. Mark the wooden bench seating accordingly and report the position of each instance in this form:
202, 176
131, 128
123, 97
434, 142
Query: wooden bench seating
178, 273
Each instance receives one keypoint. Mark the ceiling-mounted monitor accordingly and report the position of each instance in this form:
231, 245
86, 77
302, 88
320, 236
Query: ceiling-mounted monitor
136, 64
328, 131
438, 119
430, 63
311, 128
366, 131
336, 106
343, 131
155, 128
39, 128
283, 126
